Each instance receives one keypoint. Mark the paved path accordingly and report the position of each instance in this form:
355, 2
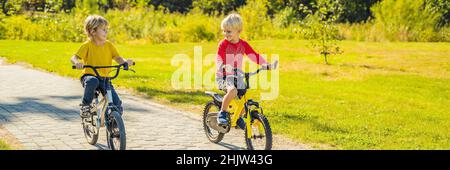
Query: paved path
40, 110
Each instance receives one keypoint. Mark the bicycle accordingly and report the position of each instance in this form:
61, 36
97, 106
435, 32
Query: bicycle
105, 114
256, 124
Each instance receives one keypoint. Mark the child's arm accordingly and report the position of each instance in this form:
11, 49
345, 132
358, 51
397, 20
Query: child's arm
75, 62
120, 60
221, 59
255, 57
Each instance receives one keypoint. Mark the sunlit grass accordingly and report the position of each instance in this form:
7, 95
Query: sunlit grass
4, 145
373, 96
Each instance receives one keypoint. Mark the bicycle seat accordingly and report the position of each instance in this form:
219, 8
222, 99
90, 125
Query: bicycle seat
215, 96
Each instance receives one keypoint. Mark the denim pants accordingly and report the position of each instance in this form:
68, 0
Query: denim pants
92, 83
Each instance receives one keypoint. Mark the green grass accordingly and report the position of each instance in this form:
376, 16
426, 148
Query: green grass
373, 96
4, 145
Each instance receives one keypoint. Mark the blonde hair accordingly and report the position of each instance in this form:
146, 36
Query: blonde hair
92, 22
233, 20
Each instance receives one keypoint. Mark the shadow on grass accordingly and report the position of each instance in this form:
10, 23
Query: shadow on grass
372, 67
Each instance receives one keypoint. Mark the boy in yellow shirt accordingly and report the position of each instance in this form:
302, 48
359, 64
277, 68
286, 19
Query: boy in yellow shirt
97, 51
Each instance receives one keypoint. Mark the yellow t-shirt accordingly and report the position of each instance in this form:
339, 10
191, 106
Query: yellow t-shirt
97, 55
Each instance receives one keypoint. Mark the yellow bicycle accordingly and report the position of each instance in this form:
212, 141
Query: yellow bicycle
258, 134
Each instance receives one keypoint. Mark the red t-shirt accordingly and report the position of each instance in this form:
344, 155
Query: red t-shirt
232, 54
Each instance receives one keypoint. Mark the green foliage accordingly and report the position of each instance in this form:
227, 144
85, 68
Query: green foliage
203, 29
48, 27
181, 6
321, 28
4, 145
2, 26
152, 21
256, 22
285, 17
277, 6
142, 24
91, 6
409, 20
156, 27
217, 7
356, 11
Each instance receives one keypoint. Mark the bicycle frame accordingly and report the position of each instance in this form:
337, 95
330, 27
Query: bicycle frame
241, 104
237, 106
107, 104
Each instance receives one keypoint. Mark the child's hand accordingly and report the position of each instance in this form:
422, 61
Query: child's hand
130, 62
271, 66
79, 65
268, 66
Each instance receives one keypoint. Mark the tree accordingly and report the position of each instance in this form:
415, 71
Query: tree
410, 20
276, 6
356, 10
182, 6
218, 6
321, 29
4, 10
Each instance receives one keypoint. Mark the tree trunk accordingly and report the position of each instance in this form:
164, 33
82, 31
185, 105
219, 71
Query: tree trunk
4, 2
110, 4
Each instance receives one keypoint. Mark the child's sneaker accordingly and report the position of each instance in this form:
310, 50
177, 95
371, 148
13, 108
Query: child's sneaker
85, 110
241, 123
222, 118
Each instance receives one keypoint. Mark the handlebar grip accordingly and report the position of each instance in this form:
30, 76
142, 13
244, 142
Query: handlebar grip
74, 67
134, 63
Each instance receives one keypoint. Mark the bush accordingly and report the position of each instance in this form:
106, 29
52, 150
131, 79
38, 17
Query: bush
360, 32
402, 20
2, 26
256, 23
408, 20
285, 17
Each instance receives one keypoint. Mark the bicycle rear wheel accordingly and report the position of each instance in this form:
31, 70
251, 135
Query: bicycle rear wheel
212, 135
115, 133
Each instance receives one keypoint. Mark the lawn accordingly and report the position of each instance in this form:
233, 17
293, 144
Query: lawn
4, 146
373, 96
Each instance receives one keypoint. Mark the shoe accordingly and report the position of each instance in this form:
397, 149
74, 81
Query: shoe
85, 110
222, 118
241, 123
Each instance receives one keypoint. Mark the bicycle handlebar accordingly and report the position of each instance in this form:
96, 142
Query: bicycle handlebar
248, 74
124, 65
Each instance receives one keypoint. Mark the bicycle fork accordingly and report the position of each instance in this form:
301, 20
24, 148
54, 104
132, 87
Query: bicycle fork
248, 120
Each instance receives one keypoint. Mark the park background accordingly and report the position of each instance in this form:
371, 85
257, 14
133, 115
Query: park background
385, 83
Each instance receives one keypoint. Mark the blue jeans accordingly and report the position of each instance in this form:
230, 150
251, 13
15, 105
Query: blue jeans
92, 83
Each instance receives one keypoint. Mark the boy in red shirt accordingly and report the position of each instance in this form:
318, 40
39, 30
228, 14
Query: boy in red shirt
229, 56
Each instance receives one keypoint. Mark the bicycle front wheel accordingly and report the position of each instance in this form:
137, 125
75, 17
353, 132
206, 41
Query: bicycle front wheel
115, 133
261, 137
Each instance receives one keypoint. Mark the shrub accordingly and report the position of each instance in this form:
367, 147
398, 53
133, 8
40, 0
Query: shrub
408, 20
